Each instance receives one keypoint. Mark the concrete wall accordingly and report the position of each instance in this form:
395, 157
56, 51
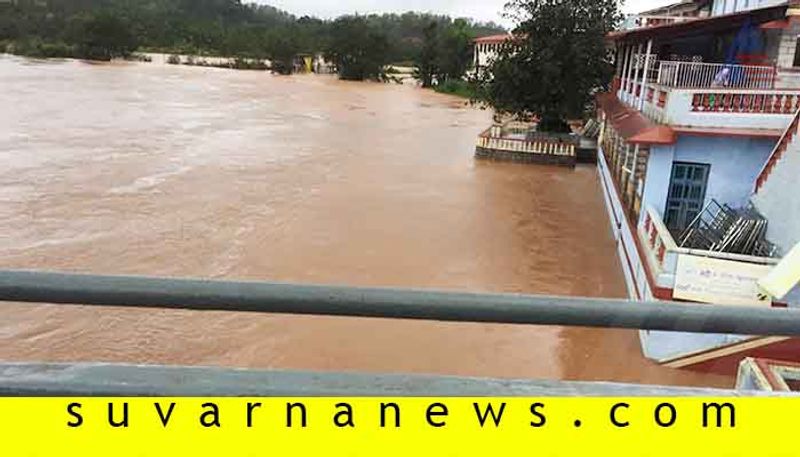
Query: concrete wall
659, 172
778, 200
735, 164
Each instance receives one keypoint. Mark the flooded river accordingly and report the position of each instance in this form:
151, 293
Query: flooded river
176, 171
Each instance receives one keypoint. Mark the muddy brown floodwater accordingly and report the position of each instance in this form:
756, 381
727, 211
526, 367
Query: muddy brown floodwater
177, 171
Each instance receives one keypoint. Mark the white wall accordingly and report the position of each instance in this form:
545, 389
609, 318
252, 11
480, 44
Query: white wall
735, 165
659, 171
779, 199
485, 54
732, 6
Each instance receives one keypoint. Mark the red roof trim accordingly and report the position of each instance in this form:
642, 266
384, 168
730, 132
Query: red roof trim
632, 125
493, 38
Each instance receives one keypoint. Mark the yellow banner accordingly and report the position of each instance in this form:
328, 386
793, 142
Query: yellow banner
408, 427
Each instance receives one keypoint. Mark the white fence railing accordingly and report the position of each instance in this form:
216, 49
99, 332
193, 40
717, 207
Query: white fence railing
713, 75
539, 147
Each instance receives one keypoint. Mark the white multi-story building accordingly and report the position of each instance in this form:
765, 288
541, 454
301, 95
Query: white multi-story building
703, 117
486, 49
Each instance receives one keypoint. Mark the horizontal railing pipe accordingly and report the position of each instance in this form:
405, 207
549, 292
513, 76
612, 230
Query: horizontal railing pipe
259, 297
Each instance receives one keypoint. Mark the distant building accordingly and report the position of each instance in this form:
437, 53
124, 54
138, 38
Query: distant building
676, 12
486, 50
699, 159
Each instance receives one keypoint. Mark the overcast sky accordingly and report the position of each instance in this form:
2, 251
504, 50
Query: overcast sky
485, 10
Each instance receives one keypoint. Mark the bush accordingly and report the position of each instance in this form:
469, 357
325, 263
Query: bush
174, 59
39, 49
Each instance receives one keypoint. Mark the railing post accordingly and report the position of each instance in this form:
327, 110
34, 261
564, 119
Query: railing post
660, 69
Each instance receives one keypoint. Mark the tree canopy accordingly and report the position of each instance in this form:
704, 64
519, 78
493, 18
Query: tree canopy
446, 52
213, 27
359, 49
557, 61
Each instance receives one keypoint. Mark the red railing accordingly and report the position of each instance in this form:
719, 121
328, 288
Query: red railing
746, 102
778, 152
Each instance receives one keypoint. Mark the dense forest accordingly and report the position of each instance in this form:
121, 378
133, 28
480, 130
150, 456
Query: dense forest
104, 29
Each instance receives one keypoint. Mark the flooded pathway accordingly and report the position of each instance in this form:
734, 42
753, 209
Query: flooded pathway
177, 171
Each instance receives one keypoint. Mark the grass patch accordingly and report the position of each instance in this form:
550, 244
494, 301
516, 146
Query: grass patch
456, 87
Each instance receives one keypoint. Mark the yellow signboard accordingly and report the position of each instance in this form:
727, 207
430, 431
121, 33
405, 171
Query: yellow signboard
708, 280
402, 427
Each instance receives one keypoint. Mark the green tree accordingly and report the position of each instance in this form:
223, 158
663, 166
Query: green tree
454, 54
220, 27
425, 65
103, 36
359, 49
282, 47
556, 63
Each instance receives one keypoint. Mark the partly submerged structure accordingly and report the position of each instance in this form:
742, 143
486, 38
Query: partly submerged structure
768, 376
699, 159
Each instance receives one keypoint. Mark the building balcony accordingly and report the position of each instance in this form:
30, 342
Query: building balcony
714, 96
732, 278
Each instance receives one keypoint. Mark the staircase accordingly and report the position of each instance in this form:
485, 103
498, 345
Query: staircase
777, 189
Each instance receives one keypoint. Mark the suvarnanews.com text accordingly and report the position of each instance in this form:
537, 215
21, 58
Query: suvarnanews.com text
433, 414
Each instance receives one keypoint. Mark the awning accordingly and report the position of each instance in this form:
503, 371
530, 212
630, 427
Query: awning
632, 125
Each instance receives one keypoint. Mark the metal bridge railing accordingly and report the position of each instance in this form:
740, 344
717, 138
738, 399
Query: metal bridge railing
260, 297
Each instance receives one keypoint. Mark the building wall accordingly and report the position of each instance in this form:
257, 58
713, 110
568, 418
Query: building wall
732, 6
659, 171
778, 200
787, 45
735, 164
656, 345
485, 54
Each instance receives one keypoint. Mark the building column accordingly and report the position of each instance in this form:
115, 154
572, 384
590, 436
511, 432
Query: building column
629, 77
624, 77
643, 93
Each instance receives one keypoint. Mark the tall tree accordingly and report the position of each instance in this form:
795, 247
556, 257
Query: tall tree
557, 61
104, 36
425, 65
282, 46
455, 51
359, 49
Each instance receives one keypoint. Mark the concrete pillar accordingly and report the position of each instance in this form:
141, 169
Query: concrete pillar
647, 59
629, 74
625, 63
